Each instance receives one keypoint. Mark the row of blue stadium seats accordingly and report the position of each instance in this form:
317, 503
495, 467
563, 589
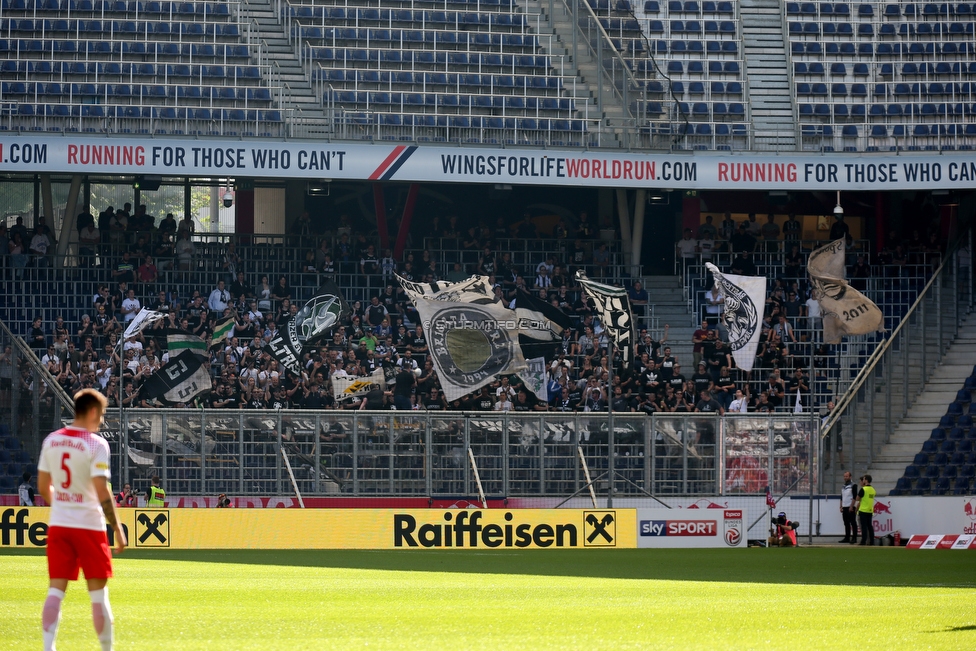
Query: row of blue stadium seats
120, 7
936, 470
895, 131
111, 69
99, 111
352, 56
720, 130
692, 27
935, 89
83, 47
867, 29
197, 51
467, 122
697, 87
886, 110
316, 11
17, 89
457, 19
882, 49
734, 110
890, 10
888, 69
477, 59
691, 7
698, 67
61, 27
685, 46
406, 77
432, 37
942, 486
450, 100
962, 429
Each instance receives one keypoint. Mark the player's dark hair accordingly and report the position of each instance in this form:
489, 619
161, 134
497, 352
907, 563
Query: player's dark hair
88, 399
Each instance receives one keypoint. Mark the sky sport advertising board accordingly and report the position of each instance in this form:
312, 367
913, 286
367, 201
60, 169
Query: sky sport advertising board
318, 160
414, 529
687, 528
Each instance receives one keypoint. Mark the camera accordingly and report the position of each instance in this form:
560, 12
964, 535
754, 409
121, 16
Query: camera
223, 501
228, 199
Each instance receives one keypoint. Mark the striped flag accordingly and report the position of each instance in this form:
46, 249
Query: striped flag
143, 320
223, 330
177, 341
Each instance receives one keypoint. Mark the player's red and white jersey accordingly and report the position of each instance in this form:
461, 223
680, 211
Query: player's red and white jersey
73, 456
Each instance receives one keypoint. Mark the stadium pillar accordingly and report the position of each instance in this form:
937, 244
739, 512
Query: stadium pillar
70, 214
691, 212
623, 212
879, 221
405, 222
379, 205
638, 239
47, 203
244, 213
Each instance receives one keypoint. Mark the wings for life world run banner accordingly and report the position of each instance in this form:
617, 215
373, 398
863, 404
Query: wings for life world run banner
473, 336
313, 323
844, 310
613, 306
745, 297
316, 160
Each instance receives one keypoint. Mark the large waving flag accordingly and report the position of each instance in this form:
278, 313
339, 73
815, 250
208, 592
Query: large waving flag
613, 306
142, 320
541, 325
844, 310
179, 381
744, 300
313, 323
473, 336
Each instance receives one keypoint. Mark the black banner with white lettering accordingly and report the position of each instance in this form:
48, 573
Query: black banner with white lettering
613, 307
314, 322
178, 382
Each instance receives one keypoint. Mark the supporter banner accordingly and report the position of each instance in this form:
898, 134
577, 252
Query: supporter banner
346, 388
167, 528
179, 381
844, 310
473, 336
696, 528
313, 323
744, 298
613, 308
330, 160
534, 377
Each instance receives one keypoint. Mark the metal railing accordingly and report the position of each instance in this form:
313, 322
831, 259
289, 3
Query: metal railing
896, 372
421, 453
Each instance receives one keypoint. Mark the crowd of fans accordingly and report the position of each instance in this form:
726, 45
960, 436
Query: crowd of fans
384, 331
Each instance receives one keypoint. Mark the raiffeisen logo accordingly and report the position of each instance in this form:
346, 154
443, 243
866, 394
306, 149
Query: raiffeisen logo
470, 528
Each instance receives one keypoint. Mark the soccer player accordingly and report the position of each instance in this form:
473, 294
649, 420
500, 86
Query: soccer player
73, 476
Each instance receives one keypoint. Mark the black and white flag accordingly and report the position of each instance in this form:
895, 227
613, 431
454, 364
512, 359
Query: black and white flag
541, 325
844, 310
179, 340
144, 319
745, 297
179, 381
613, 307
473, 337
313, 323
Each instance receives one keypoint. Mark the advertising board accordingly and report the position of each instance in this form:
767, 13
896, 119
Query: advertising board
691, 528
167, 528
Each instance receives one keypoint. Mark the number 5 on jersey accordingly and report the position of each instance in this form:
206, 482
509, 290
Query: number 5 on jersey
67, 471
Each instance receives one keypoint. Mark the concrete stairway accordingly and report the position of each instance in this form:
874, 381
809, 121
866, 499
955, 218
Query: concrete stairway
767, 75
298, 92
666, 294
930, 405
560, 23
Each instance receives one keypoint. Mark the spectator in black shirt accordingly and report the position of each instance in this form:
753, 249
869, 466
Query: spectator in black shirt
701, 378
677, 380
709, 405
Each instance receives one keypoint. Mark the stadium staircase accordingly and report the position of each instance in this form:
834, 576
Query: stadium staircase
767, 75
277, 49
561, 24
666, 294
928, 408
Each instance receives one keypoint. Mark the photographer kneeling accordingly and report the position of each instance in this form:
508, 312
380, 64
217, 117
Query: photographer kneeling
783, 532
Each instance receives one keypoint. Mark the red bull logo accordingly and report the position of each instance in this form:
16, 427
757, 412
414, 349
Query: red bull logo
969, 508
883, 525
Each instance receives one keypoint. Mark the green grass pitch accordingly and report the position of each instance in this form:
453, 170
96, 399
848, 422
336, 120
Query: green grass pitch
806, 598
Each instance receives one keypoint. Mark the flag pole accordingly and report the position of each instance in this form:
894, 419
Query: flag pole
610, 437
